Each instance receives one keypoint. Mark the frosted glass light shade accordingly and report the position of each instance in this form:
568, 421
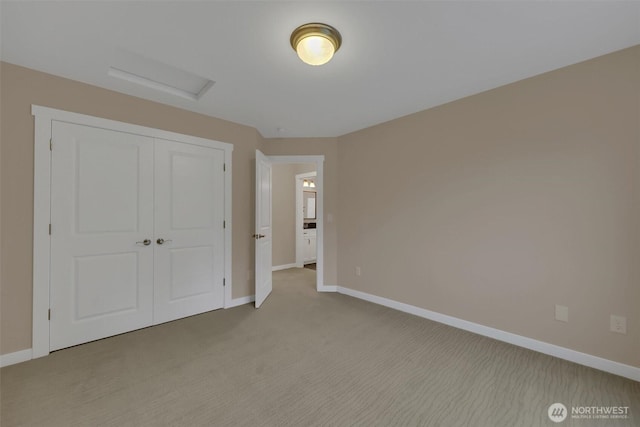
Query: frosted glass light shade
315, 50
315, 43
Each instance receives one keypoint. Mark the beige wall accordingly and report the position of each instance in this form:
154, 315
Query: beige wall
284, 211
328, 147
491, 209
22, 87
496, 207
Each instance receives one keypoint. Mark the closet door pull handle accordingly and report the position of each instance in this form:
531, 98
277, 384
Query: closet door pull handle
145, 242
163, 241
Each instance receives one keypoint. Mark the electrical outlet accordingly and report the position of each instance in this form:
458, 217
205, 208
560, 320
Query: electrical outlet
358, 271
618, 324
562, 313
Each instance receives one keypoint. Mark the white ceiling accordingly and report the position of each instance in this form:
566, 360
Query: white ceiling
397, 57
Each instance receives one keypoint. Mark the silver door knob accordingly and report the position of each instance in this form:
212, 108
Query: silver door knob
258, 236
162, 241
145, 242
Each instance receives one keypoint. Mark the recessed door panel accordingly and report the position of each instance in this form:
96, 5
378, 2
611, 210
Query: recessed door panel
191, 174
189, 221
105, 285
101, 205
191, 272
99, 189
264, 187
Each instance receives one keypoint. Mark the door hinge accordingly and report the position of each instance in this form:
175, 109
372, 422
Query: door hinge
50, 144
49, 315
49, 229
224, 282
224, 167
224, 224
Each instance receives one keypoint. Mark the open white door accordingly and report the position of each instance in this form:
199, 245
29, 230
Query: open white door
263, 234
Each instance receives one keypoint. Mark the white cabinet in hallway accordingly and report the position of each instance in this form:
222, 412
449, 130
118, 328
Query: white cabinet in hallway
309, 244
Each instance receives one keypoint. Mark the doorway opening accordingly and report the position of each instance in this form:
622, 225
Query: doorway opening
280, 233
305, 218
296, 211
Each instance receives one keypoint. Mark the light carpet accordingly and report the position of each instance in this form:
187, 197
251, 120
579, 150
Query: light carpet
304, 359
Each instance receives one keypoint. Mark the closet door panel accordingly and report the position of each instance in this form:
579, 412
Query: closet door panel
101, 205
189, 245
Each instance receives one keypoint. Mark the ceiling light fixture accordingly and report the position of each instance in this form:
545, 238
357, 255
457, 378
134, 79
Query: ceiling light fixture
315, 43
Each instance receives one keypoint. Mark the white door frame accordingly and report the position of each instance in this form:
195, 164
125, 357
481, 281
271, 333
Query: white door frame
319, 162
42, 206
299, 217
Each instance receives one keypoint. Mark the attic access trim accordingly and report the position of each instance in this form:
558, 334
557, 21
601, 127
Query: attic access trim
156, 75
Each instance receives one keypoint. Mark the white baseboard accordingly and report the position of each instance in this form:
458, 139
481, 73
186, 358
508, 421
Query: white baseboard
283, 267
606, 365
16, 357
241, 301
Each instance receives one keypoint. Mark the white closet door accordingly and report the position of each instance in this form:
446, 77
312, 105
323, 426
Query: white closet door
101, 205
189, 234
